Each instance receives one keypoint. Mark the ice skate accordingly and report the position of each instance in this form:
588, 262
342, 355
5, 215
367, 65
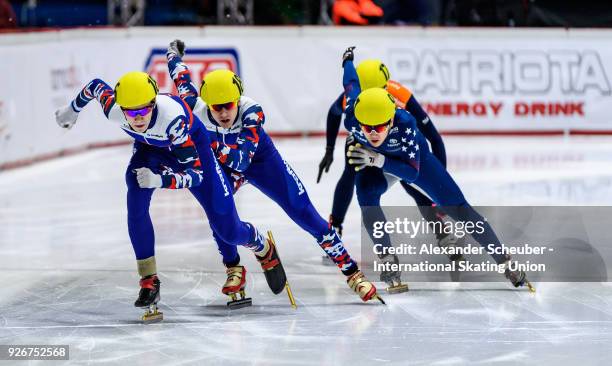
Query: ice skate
272, 267
392, 278
234, 288
364, 288
518, 279
450, 242
148, 297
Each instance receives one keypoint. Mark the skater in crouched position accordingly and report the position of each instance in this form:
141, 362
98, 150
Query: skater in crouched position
377, 125
171, 151
235, 126
373, 73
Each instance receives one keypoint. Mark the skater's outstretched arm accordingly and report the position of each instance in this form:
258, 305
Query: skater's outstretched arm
334, 116
238, 157
180, 74
99, 90
67, 116
350, 81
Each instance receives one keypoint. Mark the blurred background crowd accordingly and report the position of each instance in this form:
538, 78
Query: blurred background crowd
499, 13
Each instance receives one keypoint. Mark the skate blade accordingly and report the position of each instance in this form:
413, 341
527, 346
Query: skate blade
377, 297
530, 287
150, 318
397, 289
239, 304
290, 295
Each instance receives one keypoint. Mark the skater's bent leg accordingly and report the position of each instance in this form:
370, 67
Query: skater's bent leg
423, 202
223, 217
419, 198
228, 252
466, 213
426, 207
277, 180
344, 192
440, 186
215, 197
140, 226
371, 184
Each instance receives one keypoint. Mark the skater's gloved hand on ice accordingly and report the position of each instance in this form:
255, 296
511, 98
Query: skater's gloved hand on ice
348, 55
177, 47
66, 117
326, 162
147, 179
361, 157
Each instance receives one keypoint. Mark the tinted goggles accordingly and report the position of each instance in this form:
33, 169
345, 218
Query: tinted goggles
378, 128
219, 107
133, 113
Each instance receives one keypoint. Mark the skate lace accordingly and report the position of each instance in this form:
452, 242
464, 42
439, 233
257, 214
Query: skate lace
234, 272
355, 281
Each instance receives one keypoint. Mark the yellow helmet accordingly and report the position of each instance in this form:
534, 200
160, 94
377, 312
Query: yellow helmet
374, 106
372, 73
220, 87
135, 89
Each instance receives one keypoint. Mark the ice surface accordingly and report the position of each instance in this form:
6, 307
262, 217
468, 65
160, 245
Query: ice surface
69, 276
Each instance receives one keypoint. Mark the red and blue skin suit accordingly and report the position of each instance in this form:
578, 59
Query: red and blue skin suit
176, 146
246, 150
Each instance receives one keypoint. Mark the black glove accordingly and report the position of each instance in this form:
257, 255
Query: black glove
326, 162
348, 55
178, 47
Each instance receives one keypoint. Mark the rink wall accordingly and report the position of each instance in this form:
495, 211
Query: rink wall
471, 81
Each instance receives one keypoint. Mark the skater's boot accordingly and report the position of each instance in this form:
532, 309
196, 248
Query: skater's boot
234, 288
449, 242
149, 291
326, 260
272, 266
393, 279
518, 278
148, 297
362, 287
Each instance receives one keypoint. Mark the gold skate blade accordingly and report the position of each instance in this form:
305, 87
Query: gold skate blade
530, 287
271, 237
397, 289
290, 295
239, 304
155, 317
